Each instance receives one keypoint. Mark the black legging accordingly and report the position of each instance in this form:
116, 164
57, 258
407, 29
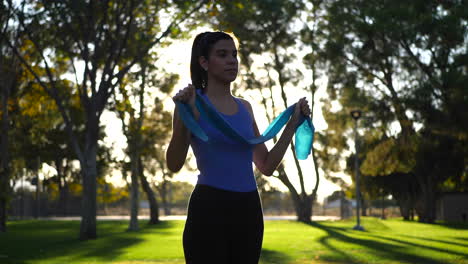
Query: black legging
223, 227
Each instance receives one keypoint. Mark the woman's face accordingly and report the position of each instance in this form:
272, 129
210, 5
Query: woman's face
222, 63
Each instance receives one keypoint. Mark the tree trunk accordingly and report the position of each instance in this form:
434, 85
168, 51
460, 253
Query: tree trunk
63, 196
303, 206
89, 173
303, 201
89, 202
405, 213
427, 212
4, 160
405, 208
314, 155
405, 190
364, 206
317, 178
425, 205
37, 212
154, 208
343, 209
3, 215
163, 192
383, 208
63, 187
134, 199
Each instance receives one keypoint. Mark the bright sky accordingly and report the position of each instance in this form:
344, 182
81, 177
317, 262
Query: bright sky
176, 59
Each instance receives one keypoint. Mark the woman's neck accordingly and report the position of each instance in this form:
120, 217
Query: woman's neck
218, 91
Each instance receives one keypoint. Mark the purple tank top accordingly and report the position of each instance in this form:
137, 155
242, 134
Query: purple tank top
224, 163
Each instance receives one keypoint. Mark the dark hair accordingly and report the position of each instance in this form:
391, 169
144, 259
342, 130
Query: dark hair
202, 45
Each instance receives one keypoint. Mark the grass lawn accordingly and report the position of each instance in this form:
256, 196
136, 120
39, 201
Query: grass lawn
285, 242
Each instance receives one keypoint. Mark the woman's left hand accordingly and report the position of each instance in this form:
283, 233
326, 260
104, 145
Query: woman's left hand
302, 107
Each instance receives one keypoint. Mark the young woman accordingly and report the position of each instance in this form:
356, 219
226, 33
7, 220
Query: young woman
225, 219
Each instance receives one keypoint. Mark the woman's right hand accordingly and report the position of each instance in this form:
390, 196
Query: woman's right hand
186, 95
181, 136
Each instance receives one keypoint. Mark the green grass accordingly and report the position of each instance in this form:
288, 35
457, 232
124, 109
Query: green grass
285, 242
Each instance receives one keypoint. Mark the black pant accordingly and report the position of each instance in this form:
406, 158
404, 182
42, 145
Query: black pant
223, 227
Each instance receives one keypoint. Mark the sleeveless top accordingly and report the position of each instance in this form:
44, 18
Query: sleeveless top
222, 162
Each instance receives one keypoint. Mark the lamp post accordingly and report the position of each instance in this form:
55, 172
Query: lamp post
356, 114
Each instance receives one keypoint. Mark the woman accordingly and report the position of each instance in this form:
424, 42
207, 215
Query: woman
225, 219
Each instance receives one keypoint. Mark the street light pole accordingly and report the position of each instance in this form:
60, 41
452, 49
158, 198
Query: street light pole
356, 114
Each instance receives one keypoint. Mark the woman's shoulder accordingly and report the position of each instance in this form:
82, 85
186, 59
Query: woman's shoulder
247, 105
244, 102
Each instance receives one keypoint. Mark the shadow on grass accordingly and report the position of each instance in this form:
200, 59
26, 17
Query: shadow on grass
273, 257
462, 238
416, 245
385, 251
454, 225
440, 241
28, 241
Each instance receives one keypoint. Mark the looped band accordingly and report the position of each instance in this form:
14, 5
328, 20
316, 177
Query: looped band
304, 134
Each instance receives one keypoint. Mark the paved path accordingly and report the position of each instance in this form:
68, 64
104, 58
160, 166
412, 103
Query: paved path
183, 217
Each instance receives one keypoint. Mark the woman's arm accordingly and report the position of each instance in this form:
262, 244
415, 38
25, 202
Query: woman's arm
180, 141
267, 161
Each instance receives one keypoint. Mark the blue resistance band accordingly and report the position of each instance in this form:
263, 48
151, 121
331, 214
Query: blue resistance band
304, 134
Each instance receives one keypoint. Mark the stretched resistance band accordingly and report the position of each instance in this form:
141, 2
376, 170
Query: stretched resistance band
304, 134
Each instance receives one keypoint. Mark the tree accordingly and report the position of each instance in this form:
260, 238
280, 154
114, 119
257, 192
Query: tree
140, 138
156, 135
107, 38
11, 73
8, 84
401, 64
313, 38
41, 136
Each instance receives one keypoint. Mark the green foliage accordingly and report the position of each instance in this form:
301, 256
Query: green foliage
108, 193
401, 63
107, 39
266, 26
389, 156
